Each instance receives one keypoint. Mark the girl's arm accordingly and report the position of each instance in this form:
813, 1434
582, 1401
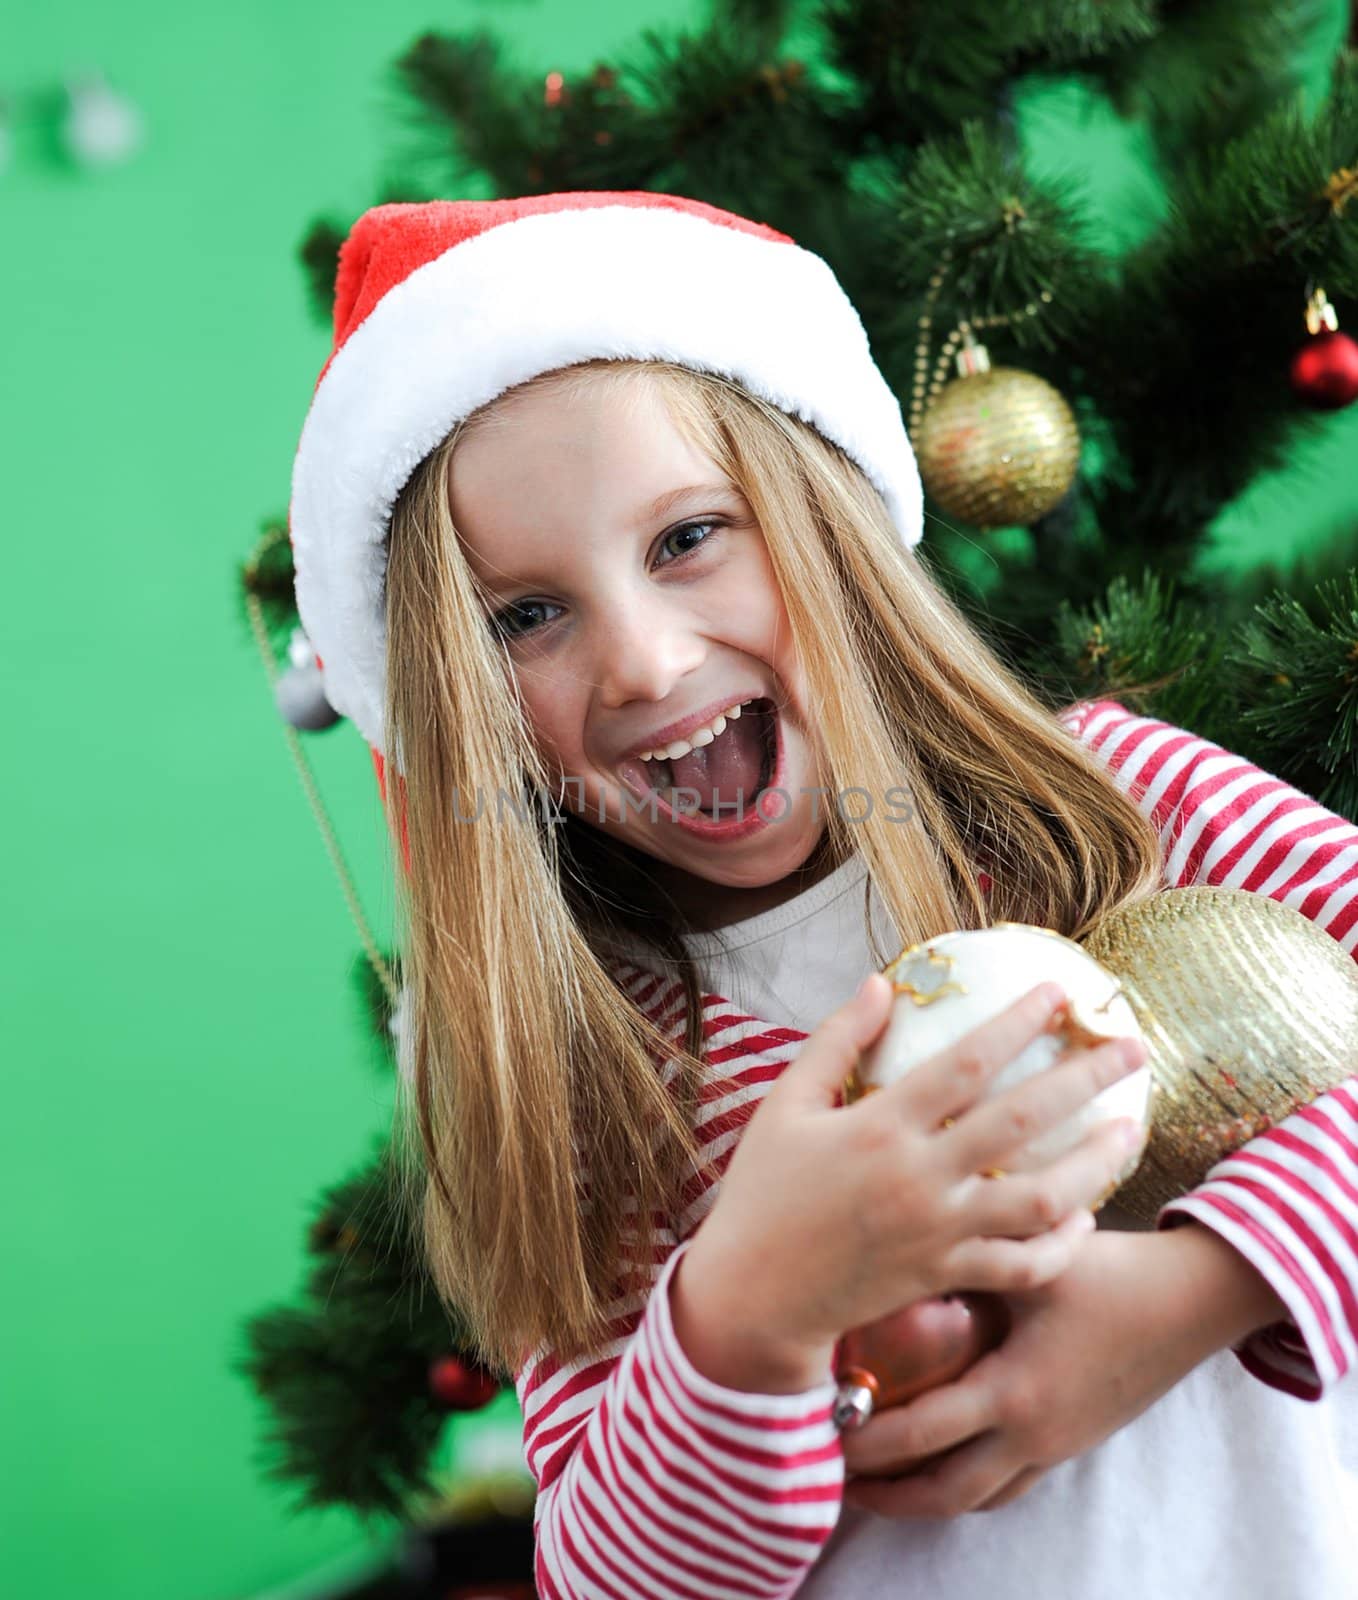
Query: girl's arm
652, 1479
1288, 1200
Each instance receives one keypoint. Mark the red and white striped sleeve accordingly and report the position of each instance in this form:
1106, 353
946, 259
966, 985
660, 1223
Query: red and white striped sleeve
1288, 1199
652, 1479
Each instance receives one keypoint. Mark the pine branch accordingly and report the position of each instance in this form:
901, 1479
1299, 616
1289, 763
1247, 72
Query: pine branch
346, 1374
915, 68
1195, 340
1010, 236
1308, 715
1211, 71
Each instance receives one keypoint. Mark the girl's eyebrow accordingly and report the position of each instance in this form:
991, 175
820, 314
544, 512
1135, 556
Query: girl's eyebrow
658, 508
666, 502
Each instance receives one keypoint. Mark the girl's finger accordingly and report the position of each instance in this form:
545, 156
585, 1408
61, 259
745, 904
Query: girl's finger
1027, 1203
989, 1132
1013, 1265
956, 1078
901, 1438
825, 1060
958, 1482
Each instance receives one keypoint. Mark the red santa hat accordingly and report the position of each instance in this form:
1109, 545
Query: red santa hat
442, 306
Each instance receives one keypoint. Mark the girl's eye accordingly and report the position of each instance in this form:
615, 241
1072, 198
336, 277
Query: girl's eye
683, 532
520, 617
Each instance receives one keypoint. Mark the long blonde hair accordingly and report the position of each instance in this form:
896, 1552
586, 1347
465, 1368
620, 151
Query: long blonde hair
537, 1130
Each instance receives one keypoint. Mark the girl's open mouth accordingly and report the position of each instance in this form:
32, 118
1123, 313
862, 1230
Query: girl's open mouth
713, 789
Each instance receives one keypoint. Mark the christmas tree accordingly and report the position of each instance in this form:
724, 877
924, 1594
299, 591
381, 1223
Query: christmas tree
1081, 414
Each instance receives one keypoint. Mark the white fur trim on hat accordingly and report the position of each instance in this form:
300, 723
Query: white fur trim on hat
537, 293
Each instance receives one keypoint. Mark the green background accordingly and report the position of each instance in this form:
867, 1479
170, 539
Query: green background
186, 1061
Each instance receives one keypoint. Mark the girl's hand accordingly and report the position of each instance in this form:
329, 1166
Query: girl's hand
829, 1217
1087, 1353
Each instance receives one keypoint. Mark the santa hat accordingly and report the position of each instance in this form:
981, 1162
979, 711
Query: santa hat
442, 306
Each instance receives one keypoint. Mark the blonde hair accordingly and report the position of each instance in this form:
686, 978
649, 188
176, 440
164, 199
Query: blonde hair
537, 1128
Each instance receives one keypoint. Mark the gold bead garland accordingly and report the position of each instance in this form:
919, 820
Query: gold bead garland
386, 977
963, 329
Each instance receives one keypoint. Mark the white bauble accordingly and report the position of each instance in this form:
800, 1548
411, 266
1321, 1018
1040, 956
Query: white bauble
951, 984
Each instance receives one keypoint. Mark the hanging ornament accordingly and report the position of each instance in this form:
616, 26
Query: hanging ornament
998, 447
461, 1385
1325, 370
102, 127
299, 692
1249, 1011
398, 1026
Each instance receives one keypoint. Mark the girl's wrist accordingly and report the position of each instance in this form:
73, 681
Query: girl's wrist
1221, 1297
733, 1355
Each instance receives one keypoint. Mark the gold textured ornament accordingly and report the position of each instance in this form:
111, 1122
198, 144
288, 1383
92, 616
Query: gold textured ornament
1249, 1011
998, 447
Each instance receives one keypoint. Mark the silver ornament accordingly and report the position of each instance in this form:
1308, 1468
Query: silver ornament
300, 698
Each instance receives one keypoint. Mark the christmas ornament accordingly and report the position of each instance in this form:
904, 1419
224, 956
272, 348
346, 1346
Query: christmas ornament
944, 988
998, 447
1249, 1011
460, 1385
102, 127
953, 983
912, 1350
1325, 370
299, 692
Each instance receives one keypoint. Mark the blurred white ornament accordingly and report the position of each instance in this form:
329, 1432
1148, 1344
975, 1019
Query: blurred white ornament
398, 1025
299, 695
301, 652
949, 985
102, 127
299, 692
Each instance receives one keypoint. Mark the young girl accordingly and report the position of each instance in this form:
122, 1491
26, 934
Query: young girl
603, 519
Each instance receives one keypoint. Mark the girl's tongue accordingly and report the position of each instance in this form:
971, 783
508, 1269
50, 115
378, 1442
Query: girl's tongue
731, 766
724, 776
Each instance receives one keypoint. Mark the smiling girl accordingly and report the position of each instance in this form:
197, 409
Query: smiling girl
602, 508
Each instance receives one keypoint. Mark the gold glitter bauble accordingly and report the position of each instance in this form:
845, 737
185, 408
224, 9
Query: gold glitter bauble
998, 448
1249, 1011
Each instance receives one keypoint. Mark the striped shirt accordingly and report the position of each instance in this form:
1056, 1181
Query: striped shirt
655, 1481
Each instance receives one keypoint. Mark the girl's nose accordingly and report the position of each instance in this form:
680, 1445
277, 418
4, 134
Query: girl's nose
644, 651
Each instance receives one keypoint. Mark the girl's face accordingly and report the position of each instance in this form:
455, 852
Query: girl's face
632, 589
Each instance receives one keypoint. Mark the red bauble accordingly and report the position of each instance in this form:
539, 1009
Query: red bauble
919, 1347
1325, 371
460, 1386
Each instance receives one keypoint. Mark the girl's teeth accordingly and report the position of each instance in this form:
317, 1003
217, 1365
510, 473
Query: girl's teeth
702, 737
